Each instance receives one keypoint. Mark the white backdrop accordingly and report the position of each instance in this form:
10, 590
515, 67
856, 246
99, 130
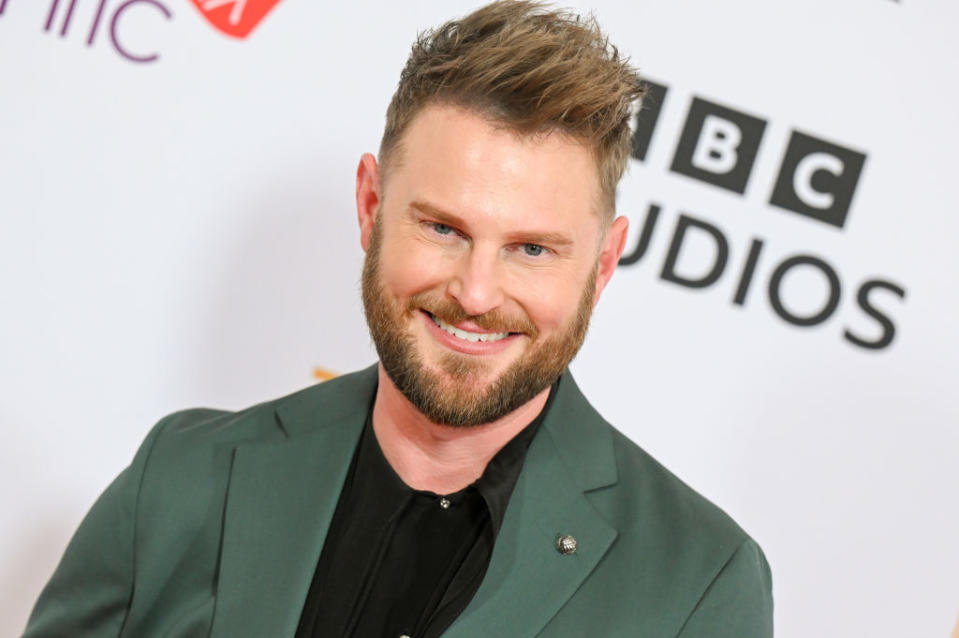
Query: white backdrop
180, 232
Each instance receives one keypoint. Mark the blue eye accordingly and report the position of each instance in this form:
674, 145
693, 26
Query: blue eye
442, 229
533, 250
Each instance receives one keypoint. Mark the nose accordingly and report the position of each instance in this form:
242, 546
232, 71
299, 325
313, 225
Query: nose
477, 283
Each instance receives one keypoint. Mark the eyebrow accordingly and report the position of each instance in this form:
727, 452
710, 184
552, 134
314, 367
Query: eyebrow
448, 218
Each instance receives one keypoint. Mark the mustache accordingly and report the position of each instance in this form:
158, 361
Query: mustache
453, 313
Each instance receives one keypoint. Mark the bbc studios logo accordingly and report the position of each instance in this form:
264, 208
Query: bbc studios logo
105, 19
817, 179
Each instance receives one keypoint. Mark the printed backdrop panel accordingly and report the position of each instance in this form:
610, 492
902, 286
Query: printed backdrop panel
176, 195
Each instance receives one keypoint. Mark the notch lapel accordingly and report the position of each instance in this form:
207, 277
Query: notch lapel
528, 579
280, 502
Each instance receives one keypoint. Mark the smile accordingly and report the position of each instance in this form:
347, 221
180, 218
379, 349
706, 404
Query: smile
466, 335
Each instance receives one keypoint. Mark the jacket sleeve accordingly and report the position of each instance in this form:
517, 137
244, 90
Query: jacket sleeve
90, 591
738, 603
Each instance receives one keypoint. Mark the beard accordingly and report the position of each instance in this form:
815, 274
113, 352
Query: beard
454, 396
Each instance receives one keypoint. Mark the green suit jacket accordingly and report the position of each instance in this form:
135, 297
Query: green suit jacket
216, 527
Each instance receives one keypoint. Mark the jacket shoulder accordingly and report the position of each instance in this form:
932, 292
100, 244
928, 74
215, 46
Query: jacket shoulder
305, 408
678, 561
160, 529
661, 496
680, 552
186, 459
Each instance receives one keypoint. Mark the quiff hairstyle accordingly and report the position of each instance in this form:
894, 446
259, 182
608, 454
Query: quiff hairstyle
534, 70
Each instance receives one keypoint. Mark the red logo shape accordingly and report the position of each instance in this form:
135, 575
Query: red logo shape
235, 17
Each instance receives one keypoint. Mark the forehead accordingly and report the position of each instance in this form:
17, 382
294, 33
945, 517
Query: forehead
462, 161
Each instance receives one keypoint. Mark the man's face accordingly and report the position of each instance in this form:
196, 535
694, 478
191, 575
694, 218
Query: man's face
484, 257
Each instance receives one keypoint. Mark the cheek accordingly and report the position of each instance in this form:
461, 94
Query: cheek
552, 302
411, 267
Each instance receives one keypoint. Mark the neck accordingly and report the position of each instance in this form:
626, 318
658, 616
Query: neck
439, 458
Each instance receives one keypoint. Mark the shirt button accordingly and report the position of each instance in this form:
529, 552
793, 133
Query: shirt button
445, 504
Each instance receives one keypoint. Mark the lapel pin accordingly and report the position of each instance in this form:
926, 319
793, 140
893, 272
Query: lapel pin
566, 545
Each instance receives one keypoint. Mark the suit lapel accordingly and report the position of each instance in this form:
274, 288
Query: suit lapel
280, 502
528, 579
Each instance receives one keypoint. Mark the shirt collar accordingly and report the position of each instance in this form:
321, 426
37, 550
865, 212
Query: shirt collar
379, 482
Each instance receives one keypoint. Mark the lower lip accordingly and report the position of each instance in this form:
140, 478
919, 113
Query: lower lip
462, 345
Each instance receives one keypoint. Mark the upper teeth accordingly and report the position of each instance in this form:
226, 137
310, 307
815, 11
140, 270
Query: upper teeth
469, 336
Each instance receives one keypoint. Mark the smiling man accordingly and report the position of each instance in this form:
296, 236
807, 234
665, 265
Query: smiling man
463, 486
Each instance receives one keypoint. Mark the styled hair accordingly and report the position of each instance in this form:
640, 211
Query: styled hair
531, 68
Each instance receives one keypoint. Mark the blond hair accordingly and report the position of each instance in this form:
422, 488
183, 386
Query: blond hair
531, 68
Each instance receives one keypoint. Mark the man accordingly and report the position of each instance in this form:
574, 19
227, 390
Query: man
463, 486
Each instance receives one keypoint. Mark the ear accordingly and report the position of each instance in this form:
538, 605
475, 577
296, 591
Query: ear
367, 196
612, 248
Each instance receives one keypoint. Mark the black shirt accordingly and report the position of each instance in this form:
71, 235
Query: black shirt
399, 561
